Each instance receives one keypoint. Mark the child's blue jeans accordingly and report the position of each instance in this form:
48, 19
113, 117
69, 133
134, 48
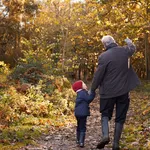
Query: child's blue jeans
81, 124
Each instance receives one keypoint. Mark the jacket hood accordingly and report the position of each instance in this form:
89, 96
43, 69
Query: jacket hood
111, 46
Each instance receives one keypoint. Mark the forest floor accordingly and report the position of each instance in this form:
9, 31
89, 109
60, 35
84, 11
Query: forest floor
136, 134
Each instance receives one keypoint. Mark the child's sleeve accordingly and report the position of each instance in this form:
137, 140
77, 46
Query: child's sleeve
89, 97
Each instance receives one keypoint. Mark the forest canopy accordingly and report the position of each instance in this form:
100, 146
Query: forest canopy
65, 36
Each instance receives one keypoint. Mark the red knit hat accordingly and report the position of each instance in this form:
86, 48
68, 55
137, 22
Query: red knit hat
77, 85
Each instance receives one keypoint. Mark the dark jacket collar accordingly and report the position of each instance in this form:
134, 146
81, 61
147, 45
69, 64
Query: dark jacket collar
111, 46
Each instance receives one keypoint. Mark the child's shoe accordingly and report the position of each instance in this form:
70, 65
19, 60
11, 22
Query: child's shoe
78, 137
82, 138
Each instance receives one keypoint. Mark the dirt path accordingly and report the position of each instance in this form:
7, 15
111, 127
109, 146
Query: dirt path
64, 139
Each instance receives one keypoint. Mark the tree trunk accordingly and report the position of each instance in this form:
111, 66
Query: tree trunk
147, 56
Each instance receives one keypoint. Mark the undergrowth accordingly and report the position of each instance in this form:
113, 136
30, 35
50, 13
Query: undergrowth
32, 105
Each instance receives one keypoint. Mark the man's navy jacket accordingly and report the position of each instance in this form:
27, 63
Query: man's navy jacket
113, 76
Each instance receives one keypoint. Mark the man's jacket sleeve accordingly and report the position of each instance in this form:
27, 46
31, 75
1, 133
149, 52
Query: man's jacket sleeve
99, 74
131, 48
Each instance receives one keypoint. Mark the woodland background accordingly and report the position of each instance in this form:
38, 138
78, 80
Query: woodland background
46, 45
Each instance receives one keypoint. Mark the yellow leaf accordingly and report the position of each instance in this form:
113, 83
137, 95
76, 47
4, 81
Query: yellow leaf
98, 22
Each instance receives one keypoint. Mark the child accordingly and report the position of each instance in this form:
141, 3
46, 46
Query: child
82, 109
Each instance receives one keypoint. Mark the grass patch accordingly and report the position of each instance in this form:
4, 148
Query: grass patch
136, 130
11, 147
17, 136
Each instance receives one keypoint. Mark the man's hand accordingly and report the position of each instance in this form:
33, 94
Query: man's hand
89, 92
128, 41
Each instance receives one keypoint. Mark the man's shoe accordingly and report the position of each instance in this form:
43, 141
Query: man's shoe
105, 133
103, 142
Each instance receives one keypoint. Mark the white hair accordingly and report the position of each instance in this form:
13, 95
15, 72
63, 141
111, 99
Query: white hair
107, 40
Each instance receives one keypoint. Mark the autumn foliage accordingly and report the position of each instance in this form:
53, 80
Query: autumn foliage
45, 45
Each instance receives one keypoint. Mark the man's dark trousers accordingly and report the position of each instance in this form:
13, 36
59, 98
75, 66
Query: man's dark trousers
122, 105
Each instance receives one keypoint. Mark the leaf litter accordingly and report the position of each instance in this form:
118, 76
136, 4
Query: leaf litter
136, 133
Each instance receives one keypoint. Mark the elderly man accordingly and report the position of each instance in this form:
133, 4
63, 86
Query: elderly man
116, 79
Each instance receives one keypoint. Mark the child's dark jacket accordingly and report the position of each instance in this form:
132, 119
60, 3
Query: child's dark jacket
83, 100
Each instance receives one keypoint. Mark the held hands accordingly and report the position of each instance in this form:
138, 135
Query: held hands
128, 41
90, 92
